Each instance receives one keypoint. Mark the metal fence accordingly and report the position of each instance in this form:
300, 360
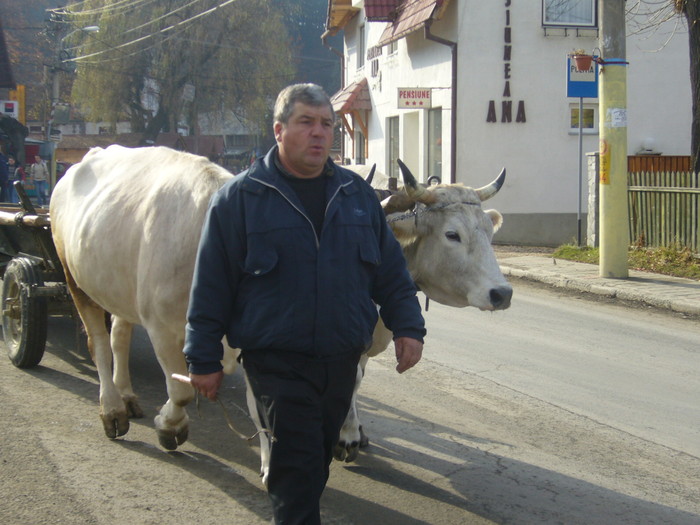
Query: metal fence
664, 207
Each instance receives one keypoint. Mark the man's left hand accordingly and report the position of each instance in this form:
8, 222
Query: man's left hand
408, 353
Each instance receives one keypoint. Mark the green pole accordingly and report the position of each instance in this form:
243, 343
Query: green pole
614, 220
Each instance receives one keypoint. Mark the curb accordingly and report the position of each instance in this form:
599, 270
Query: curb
624, 290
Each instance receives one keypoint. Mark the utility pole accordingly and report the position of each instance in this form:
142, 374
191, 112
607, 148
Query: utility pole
614, 215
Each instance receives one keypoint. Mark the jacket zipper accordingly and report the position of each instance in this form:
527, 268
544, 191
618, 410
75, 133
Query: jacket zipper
318, 241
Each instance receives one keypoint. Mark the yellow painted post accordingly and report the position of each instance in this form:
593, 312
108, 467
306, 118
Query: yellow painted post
614, 216
20, 96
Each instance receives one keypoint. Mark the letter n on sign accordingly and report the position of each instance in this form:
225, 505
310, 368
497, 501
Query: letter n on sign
414, 98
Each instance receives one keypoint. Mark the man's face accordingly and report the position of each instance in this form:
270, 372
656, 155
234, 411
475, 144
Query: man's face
306, 140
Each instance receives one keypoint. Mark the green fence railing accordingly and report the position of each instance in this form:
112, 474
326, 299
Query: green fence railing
664, 208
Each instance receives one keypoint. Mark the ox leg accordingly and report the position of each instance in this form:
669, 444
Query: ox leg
112, 410
351, 436
121, 343
172, 423
264, 439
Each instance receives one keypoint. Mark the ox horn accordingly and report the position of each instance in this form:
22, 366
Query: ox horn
369, 177
490, 190
414, 190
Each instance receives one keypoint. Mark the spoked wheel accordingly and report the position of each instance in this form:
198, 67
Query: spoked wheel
24, 315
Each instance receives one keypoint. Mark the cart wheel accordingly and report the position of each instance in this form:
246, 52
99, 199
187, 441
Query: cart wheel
24, 318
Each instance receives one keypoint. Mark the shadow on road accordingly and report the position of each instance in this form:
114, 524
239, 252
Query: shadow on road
441, 466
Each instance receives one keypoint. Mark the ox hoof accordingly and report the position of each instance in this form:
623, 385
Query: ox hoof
133, 409
364, 440
346, 451
169, 439
115, 425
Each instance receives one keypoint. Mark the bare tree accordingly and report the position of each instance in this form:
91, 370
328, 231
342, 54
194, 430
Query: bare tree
649, 15
160, 64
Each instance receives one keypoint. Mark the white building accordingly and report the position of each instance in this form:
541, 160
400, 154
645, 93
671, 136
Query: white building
462, 88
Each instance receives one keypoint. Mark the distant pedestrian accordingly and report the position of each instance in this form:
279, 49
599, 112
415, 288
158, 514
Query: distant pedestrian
40, 176
16, 173
4, 178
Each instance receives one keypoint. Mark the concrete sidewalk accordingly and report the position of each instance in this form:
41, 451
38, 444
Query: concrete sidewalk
661, 291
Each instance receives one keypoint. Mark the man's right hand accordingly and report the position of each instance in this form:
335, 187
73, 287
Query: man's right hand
207, 384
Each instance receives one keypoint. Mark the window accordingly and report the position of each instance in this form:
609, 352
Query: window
392, 147
435, 142
359, 148
569, 13
590, 119
361, 47
393, 46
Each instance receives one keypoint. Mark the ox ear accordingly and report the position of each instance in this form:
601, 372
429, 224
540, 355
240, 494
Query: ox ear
496, 219
490, 190
403, 227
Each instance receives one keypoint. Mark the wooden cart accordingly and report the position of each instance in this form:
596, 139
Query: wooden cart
33, 282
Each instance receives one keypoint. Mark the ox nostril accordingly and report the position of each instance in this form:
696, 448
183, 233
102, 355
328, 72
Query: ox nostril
500, 297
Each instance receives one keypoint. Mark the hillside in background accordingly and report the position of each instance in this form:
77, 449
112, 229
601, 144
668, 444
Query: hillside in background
318, 64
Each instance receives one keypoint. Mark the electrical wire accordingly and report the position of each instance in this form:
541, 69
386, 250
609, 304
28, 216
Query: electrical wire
175, 27
123, 5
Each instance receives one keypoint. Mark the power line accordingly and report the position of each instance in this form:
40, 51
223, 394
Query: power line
179, 26
123, 5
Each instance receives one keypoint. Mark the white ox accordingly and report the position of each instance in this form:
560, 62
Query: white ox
446, 239
126, 224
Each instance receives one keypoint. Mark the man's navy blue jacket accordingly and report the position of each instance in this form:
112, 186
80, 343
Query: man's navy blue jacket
265, 280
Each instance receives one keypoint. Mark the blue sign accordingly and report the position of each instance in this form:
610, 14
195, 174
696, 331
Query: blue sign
581, 84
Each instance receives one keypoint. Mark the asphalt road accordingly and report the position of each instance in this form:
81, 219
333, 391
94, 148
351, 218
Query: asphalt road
558, 410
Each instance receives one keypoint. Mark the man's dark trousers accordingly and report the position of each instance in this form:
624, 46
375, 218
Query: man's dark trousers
305, 402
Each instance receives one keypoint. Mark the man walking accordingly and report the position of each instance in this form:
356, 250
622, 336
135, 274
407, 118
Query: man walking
40, 176
295, 253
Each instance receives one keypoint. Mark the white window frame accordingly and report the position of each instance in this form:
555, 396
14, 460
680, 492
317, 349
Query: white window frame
393, 47
434, 134
360, 155
568, 5
393, 145
585, 131
361, 47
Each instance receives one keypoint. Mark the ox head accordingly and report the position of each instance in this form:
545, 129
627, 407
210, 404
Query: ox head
446, 238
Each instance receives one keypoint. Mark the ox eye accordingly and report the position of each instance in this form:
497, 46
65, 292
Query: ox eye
453, 236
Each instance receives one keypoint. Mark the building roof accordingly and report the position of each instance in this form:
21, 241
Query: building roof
355, 96
6, 79
129, 140
204, 145
412, 15
339, 13
381, 10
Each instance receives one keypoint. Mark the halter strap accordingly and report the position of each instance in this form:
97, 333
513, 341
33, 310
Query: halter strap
416, 212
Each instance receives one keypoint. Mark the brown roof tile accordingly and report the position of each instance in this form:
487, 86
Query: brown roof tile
412, 15
354, 96
381, 10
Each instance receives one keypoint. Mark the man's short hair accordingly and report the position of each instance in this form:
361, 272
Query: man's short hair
309, 94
